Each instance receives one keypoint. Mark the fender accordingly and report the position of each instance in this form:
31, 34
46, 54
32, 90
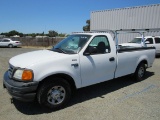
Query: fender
49, 68
142, 58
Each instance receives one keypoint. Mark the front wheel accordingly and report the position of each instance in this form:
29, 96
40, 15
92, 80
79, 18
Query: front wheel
54, 94
140, 72
10, 45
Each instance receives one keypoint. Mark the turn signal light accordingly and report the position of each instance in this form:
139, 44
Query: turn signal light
27, 75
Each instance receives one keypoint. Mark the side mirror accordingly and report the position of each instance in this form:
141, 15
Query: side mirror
147, 42
90, 50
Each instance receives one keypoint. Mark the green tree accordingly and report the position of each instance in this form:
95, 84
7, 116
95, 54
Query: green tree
61, 35
12, 33
32, 34
6, 34
52, 33
87, 27
21, 34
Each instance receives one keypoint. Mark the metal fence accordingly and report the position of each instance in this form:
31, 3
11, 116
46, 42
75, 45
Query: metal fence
45, 42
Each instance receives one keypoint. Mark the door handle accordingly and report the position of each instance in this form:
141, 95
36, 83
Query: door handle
111, 59
75, 65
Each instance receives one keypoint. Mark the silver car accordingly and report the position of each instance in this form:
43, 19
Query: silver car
7, 42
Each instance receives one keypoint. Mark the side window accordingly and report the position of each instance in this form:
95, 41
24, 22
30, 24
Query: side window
157, 40
150, 40
100, 44
5, 41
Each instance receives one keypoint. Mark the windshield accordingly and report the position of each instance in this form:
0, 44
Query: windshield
72, 44
136, 40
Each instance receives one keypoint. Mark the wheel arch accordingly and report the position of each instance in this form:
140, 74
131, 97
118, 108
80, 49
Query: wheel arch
68, 78
10, 44
143, 61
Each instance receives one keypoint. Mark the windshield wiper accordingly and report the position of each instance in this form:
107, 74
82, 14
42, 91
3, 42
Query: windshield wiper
60, 50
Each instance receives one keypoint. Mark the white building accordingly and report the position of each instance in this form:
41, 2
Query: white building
139, 17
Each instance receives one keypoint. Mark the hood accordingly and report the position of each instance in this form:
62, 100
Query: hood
130, 44
28, 59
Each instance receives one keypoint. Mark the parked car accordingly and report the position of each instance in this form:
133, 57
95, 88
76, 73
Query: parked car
148, 40
7, 42
80, 60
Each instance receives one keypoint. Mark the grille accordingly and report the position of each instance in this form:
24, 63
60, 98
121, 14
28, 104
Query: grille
10, 71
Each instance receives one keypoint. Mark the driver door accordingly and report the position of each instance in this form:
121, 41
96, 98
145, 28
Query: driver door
100, 65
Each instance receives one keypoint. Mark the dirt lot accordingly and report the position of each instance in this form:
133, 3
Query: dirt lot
117, 99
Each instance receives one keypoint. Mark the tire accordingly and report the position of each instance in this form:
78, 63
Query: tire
10, 45
54, 94
140, 72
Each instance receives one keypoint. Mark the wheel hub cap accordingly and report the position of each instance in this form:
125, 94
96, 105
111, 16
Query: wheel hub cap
141, 72
56, 95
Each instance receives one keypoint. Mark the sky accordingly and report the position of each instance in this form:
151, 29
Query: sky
63, 16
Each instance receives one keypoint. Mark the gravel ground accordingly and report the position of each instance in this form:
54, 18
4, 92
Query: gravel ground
118, 99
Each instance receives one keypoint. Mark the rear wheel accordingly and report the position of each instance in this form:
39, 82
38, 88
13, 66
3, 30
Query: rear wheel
140, 72
10, 45
54, 93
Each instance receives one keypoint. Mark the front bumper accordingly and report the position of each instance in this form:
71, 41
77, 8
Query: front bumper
24, 91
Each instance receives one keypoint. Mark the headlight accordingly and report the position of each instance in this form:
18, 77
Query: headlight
23, 75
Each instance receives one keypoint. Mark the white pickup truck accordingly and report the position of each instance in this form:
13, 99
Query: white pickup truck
80, 60
148, 40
